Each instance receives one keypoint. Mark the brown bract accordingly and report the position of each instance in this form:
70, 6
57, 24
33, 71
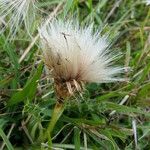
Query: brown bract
66, 89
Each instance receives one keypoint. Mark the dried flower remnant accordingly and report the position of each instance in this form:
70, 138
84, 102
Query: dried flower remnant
76, 55
16, 12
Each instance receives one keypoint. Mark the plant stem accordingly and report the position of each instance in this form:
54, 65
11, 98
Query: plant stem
57, 112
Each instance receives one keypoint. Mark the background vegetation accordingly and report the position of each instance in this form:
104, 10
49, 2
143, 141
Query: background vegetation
109, 116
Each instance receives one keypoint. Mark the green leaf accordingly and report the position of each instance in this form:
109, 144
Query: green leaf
128, 54
29, 89
120, 133
124, 109
144, 90
81, 121
90, 6
112, 94
111, 140
3, 122
4, 137
11, 53
67, 6
5, 81
100, 136
145, 73
77, 138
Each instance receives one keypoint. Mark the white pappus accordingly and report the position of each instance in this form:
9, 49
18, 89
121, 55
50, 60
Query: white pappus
147, 2
75, 54
16, 13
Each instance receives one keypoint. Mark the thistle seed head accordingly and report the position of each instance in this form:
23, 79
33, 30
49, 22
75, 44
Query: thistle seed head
76, 55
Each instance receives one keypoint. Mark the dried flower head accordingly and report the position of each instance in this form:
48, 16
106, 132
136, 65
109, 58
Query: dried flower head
17, 12
76, 55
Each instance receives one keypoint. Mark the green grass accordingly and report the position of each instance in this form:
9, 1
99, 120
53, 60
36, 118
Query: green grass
97, 121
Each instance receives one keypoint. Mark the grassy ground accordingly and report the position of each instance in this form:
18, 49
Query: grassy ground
110, 116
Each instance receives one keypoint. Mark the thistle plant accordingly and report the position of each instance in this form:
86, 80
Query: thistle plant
16, 13
75, 56
52, 72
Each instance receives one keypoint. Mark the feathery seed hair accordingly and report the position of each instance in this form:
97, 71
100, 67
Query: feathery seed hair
18, 12
147, 2
75, 55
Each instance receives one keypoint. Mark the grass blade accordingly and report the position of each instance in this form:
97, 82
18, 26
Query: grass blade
4, 137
